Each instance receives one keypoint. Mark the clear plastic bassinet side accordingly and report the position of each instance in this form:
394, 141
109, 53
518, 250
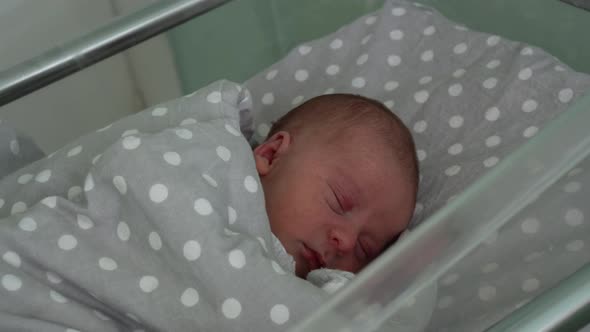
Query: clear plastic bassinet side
533, 178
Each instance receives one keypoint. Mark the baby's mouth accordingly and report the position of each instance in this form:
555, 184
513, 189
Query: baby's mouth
313, 258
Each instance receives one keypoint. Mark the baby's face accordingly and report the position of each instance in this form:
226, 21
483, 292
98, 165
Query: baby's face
333, 208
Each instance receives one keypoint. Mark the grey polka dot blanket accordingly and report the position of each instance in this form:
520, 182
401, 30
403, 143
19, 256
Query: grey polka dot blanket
154, 223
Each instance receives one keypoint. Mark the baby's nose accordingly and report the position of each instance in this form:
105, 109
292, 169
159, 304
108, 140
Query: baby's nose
342, 240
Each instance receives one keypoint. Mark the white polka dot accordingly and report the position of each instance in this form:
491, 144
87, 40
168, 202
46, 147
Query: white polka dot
88, 183
11, 282
456, 121
398, 11
214, 97
155, 241
572, 187
490, 162
304, 49
203, 207
120, 184
159, 111
429, 30
43, 176
493, 141
459, 72
370, 20
421, 96
453, 170
209, 180
231, 308
455, 89
389, 103
271, 74
527, 51
158, 193
493, 40
366, 39
130, 132
358, 82
237, 258
525, 74
131, 142
53, 278
189, 297
460, 48
278, 269
394, 60
445, 302
263, 130
192, 250
558, 68
268, 98
84, 222
336, 44
489, 268
396, 35
262, 243
530, 285
332, 69
486, 293
391, 85
530, 131
96, 159
107, 264
425, 80
493, 64
67, 242
27, 224
279, 314
490, 83
427, 56
57, 297
172, 158
18, 207
450, 279
188, 122
361, 60
530, 226
529, 105
14, 147
75, 151
229, 232
297, 100
232, 215
251, 184
455, 149
123, 231
574, 217
12, 258
184, 133
575, 245
565, 95
24, 179
421, 154
148, 283
492, 114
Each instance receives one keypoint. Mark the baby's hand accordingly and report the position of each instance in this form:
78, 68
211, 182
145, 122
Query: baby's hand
329, 280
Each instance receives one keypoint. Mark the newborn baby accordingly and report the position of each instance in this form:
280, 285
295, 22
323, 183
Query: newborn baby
340, 179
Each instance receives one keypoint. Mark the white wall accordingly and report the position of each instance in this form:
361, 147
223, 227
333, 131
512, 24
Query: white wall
88, 99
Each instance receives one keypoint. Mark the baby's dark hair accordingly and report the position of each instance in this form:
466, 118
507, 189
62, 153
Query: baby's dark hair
333, 113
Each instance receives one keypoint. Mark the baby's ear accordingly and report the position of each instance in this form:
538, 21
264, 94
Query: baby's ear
267, 153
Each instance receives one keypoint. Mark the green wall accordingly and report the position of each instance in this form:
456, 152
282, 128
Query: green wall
245, 36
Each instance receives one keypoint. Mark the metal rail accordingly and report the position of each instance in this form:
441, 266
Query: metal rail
87, 50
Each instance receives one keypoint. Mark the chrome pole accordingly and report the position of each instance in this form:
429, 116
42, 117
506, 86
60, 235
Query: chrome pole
87, 50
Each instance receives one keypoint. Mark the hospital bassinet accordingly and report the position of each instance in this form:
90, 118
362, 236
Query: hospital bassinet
533, 203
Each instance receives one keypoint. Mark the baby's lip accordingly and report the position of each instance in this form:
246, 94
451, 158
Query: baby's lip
314, 259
